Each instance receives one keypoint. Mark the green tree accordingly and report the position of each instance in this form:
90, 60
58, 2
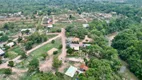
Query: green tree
11, 63
56, 63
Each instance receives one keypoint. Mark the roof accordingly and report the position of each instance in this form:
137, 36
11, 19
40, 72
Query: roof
10, 44
74, 46
75, 39
1, 52
84, 67
85, 25
71, 71
26, 29
50, 25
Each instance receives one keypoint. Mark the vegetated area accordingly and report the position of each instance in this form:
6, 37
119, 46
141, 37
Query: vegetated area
53, 39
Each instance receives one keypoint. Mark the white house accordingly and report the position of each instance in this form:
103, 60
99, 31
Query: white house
50, 26
22, 30
74, 46
85, 25
1, 52
10, 44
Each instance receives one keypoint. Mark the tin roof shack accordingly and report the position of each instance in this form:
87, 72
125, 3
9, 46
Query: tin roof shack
1, 52
2, 18
11, 44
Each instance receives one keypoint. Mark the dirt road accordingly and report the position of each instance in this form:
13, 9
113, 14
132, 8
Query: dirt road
62, 56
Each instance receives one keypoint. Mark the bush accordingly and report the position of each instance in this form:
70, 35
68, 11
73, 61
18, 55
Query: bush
5, 71
8, 71
6, 55
55, 52
53, 41
44, 55
56, 63
11, 63
60, 47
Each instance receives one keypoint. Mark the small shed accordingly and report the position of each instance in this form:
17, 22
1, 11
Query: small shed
85, 25
71, 71
22, 30
1, 52
50, 25
11, 44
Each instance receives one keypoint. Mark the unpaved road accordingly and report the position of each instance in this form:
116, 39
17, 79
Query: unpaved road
62, 56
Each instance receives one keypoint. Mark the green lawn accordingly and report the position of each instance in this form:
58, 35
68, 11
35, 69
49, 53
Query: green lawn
14, 52
43, 50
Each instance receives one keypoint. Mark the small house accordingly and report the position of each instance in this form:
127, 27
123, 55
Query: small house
85, 25
1, 52
75, 46
75, 39
83, 67
23, 30
50, 25
11, 44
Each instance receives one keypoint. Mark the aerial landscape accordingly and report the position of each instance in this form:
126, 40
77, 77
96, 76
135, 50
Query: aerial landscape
70, 39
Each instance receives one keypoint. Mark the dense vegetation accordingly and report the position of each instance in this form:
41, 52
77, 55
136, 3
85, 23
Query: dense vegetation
104, 63
129, 44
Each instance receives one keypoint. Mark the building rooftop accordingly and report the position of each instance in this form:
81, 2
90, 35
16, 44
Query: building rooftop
83, 67
71, 71
1, 52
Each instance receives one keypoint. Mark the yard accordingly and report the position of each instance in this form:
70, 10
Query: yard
43, 50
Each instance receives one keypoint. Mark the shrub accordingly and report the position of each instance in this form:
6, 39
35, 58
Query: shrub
11, 63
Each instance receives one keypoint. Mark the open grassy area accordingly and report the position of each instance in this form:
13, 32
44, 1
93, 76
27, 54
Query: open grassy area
14, 52
43, 50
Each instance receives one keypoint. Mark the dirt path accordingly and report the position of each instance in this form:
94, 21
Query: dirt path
110, 37
47, 65
28, 52
52, 33
62, 56
68, 18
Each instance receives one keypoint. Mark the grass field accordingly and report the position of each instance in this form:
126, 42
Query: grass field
43, 50
14, 52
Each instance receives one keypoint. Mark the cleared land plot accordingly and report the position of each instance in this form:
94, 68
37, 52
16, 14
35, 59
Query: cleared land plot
43, 50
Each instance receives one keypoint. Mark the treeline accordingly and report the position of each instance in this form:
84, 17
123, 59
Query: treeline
129, 44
